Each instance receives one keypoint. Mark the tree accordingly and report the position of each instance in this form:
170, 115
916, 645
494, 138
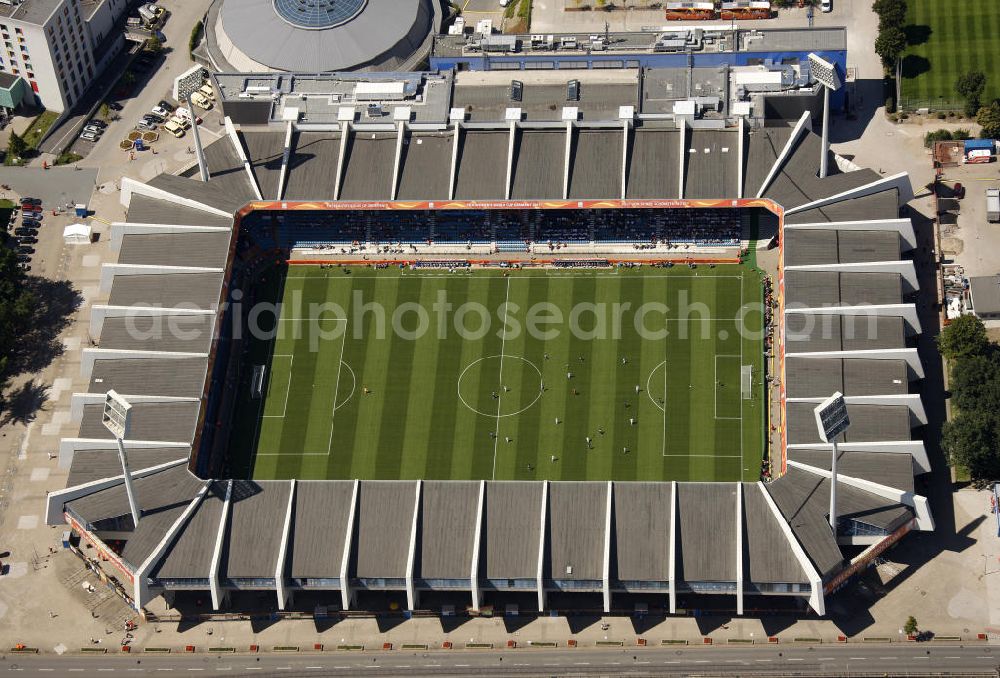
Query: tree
889, 45
890, 13
16, 146
154, 45
16, 304
970, 440
910, 627
988, 118
937, 135
970, 86
104, 111
965, 336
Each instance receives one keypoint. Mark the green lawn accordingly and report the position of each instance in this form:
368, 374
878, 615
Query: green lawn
948, 39
348, 396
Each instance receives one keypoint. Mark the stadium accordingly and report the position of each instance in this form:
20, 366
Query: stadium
391, 432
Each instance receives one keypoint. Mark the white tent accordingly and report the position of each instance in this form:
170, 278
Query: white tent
76, 234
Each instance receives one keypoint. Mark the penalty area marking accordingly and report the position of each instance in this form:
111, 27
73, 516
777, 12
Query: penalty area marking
288, 385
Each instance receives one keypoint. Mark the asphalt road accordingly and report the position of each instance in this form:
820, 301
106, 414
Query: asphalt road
821, 660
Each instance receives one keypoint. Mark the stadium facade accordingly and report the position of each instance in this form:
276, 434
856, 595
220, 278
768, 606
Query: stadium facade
448, 143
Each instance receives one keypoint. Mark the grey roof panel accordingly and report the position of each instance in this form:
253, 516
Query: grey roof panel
203, 250
174, 377
312, 167
768, 555
830, 332
225, 169
257, 512
881, 205
544, 101
201, 192
819, 377
190, 554
425, 167
653, 158
385, 523
869, 423
814, 246
368, 166
539, 164
833, 288
885, 468
482, 165
641, 524
145, 210
511, 521
319, 528
183, 333
265, 150
798, 182
448, 514
711, 164
97, 464
706, 539
576, 530
169, 422
193, 290
763, 146
594, 174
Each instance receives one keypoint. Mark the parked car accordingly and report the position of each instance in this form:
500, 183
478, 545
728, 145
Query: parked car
207, 91
147, 126
31, 201
166, 105
27, 240
154, 116
826, 5
96, 123
88, 136
183, 113
162, 112
25, 231
201, 101
174, 128
31, 219
115, 106
25, 249
93, 128
958, 191
23, 258
183, 123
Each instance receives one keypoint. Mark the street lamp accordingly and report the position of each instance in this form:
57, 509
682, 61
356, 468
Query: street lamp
832, 420
117, 418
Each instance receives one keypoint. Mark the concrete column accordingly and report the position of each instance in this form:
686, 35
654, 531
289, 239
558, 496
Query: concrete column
213, 578
510, 158
626, 128
607, 551
541, 547
279, 573
346, 130
739, 548
567, 159
346, 595
411, 591
741, 149
681, 158
672, 562
400, 137
199, 151
286, 157
453, 177
825, 145
477, 596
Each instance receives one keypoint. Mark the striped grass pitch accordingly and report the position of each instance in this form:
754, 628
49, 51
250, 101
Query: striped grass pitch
348, 396
948, 39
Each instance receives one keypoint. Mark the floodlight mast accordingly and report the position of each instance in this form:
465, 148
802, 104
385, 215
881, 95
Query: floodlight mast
117, 417
825, 73
832, 420
202, 165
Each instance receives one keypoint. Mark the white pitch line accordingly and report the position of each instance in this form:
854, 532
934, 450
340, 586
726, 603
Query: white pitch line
336, 387
503, 344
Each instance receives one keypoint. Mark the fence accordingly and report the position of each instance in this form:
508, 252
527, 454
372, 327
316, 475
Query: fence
932, 104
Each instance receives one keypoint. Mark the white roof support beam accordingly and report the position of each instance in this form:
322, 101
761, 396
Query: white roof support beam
626, 130
904, 268
346, 593
141, 595
568, 159
234, 137
741, 149
922, 510
477, 596
453, 177
900, 181
215, 585
606, 577
411, 590
346, 130
55, 501
540, 572
739, 547
816, 600
911, 400
398, 163
914, 448
907, 312
910, 355
681, 157
286, 159
672, 549
800, 128
279, 570
902, 226
511, 144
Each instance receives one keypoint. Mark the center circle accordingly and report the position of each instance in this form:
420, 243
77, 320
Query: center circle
493, 364
318, 14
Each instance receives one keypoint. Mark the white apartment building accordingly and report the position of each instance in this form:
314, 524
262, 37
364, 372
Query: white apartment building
51, 44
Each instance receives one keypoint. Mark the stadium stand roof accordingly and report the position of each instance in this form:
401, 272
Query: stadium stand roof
577, 530
169, 422
652, 173
193, 289
258, 509
767, 557
385, 517
589, 176
816, 333
481, 166
266, 149
885, 468
368, 166
869, 423
423, 172
94, 464
819, 377
805, 247
204, 250
143, 209
641, 525
711, 171
539, 159
172, 377
449, 517
512, 521
320, 528
156, 333
190, 555
811, 289
313, 165
706, 538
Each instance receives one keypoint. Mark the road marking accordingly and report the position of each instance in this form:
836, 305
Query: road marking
827, 659
952, 657
795, 659
887, 657
762, 660
582, 664
857, 659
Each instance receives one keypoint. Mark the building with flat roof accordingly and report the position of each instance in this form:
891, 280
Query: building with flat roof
984, 292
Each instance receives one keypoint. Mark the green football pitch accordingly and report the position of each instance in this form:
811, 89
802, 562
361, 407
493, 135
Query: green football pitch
948, 39
614, 374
